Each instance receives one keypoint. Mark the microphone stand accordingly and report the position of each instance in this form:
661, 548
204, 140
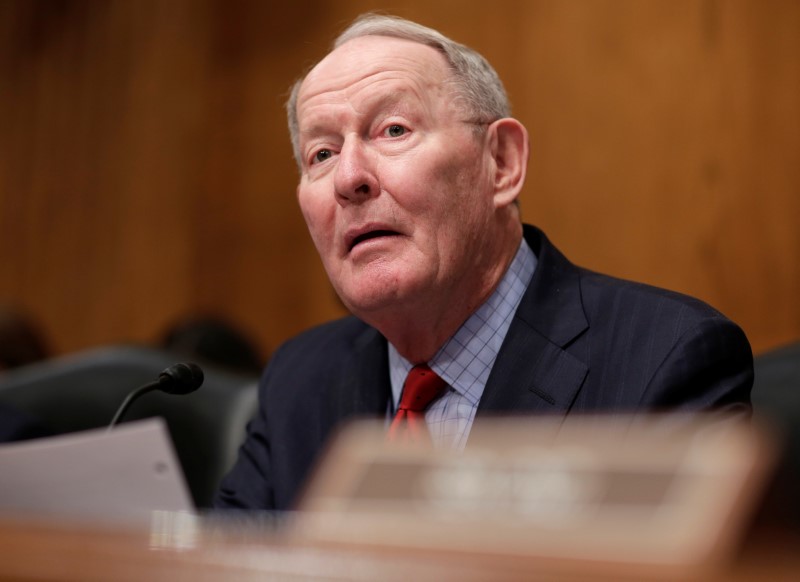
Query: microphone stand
129, 400
181, 378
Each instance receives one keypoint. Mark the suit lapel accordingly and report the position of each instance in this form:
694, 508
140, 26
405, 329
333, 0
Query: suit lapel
533, 371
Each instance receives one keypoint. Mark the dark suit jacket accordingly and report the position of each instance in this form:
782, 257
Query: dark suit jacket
579, 342
16, 425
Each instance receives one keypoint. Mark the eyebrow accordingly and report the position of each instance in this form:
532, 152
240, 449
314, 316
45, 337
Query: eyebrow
371, 106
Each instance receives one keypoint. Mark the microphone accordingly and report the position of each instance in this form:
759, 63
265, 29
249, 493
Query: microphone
181, 378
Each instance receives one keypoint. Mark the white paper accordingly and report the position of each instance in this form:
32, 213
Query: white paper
123, 475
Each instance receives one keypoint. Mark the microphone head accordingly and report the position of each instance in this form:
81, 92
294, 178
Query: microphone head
181, 378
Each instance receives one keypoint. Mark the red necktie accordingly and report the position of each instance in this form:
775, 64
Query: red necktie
422, 387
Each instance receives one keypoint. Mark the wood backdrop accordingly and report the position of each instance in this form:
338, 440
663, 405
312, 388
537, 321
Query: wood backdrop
146, 174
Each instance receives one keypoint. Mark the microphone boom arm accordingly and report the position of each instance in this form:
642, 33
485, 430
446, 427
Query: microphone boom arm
181, 378
129, 400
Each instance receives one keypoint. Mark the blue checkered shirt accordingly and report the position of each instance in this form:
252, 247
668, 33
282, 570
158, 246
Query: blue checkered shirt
465, 360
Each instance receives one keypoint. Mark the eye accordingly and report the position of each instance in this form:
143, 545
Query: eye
321, 156
395, 130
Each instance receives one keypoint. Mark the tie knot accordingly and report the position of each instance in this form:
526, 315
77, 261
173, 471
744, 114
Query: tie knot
422, 387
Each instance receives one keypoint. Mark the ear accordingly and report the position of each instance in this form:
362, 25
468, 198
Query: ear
508, 142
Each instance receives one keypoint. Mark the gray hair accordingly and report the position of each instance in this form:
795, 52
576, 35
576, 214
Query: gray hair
475, 79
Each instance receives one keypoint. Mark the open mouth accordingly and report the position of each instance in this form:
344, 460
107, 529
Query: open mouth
371, 235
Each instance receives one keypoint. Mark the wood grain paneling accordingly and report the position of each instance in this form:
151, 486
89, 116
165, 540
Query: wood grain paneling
145, 171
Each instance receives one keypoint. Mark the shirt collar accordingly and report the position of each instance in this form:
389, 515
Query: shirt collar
465, 360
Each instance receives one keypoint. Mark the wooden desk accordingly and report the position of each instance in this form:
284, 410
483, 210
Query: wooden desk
36, 549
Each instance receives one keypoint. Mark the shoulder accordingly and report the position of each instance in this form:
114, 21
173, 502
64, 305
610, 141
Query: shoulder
631, 299
644, 346
316, 354
647, 324
668, 349
605, 297
328, 339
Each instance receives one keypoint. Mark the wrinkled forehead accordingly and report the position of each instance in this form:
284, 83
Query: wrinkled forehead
365, 58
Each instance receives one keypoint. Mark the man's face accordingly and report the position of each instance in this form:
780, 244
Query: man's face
395, 186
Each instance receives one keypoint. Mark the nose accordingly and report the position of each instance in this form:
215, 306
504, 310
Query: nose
355, 179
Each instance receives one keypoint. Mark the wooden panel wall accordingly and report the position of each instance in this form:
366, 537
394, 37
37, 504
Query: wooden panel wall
145, 171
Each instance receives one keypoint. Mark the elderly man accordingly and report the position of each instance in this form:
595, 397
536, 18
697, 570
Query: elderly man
410, 169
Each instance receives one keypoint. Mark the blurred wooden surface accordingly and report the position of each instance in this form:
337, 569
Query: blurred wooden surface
36, 549
146, 173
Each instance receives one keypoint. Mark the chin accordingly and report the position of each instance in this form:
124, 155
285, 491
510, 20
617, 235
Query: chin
379, 290
366, 302
364, 307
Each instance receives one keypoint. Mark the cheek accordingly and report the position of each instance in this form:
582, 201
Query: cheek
460, 191
469, 208
429, 188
